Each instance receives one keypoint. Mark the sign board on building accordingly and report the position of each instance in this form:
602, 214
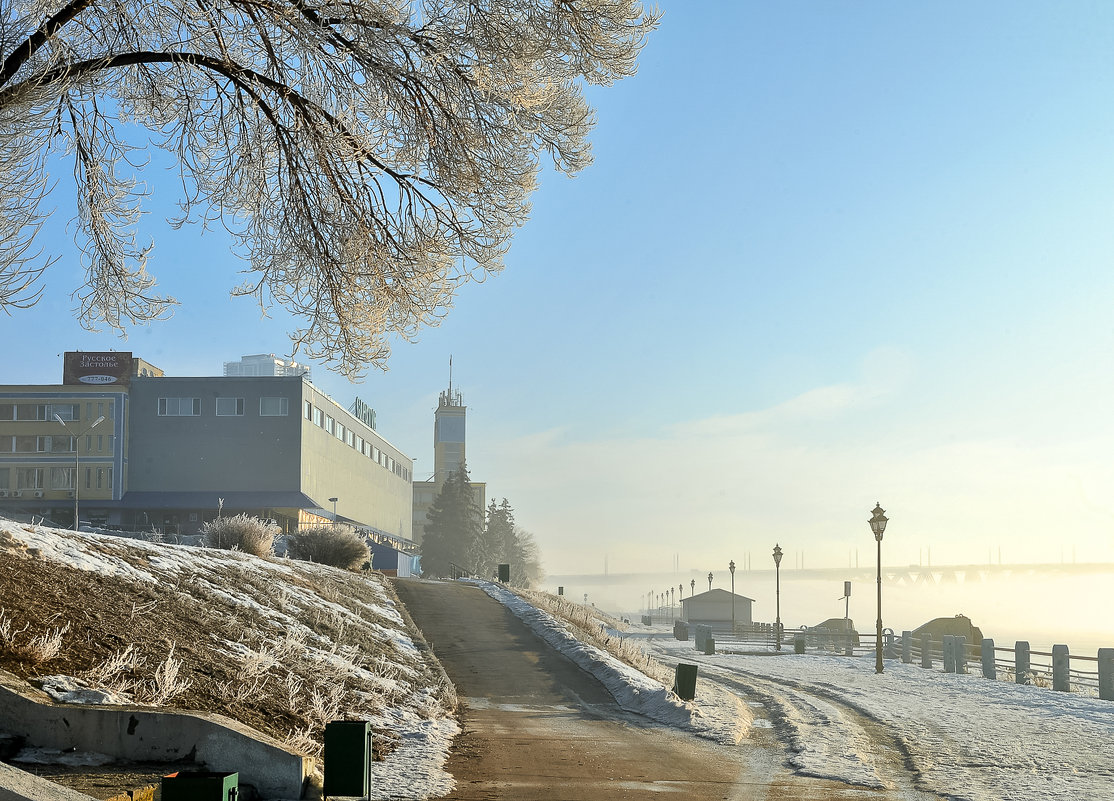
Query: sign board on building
111, 368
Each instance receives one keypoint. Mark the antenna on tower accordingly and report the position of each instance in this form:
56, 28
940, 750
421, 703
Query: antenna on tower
450, 375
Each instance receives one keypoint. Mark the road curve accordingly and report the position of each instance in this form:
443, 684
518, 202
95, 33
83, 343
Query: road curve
536, 727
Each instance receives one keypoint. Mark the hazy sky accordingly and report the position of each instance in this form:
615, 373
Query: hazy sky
829, 254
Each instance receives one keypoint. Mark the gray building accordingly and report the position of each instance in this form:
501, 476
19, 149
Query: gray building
272, 446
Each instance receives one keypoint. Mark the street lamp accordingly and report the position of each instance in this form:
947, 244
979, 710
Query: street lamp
777, 591
692, 588
709, 582
878, 526
731, 567
334, 502
77, 460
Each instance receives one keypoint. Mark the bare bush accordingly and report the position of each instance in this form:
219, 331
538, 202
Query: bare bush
339, 546
166, 683
36, 649
242, 533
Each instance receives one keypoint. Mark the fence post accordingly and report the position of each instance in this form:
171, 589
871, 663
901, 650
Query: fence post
948, 643
926, 650
1021, 661
1106, 674
907, 647
988, 666
959, 647
1061, 663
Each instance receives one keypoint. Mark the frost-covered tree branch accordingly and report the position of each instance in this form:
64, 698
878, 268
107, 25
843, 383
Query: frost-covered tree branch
367, 156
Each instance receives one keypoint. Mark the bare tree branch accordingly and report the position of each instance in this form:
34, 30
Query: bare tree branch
367, 156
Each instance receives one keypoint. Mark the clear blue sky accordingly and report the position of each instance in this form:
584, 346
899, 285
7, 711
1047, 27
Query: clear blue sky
828, 254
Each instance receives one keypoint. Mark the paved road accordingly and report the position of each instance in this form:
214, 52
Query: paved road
537, 727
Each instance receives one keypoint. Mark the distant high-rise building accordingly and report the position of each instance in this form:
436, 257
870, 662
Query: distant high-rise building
265, 364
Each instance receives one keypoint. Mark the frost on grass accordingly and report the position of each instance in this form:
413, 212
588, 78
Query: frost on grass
279, 644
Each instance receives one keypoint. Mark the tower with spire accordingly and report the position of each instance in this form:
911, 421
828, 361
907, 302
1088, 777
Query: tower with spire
449, 428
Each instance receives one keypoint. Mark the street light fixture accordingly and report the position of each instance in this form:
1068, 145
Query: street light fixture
692, 588
731, 567
77, 460
334, 502
709, 582
878, 526
777, 591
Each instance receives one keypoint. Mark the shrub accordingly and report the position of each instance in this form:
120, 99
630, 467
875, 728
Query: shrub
241, 533
339, 546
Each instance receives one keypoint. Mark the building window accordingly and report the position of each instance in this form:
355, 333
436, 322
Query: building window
309, 410
179, 407
230, 407
61, 478
52, 444
350, 438
67, 411
5, 477
339, 433
274, 407
330, 424
318, 420
29, 478
7, 411
360, 444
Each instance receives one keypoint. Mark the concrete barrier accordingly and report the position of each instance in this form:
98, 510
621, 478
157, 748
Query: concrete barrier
18, 785
141, 734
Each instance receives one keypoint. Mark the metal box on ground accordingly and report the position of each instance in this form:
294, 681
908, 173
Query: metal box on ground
684, 682
200, 786
347, 758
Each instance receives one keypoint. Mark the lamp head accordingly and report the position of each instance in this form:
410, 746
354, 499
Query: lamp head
777, 555
731, 567
878, 521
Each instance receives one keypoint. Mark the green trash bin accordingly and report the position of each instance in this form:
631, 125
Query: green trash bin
201, 786
347, 758
684, 681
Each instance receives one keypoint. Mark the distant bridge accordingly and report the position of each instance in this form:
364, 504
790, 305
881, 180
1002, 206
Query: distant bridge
909, 574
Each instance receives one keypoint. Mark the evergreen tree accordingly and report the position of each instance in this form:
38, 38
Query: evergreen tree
453, 529
498, 535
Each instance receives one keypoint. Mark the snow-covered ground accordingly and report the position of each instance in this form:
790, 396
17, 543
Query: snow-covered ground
964, 737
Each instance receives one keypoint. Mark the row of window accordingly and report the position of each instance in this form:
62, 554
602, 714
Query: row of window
354, 440
225, 407
55, 478
54, 444
48, 411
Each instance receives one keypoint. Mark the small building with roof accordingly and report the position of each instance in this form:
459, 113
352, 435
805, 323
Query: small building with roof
714, 607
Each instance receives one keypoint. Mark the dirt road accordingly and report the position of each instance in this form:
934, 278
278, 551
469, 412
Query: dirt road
537, 727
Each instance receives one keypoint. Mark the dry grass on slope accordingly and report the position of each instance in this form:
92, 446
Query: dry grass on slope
280, 645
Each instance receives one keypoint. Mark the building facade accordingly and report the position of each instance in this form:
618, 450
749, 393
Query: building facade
265, 364
449, 430
174, 452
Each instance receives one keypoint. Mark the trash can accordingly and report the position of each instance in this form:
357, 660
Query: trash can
798, 643
709, 646
684, 681
200, 785
347, 758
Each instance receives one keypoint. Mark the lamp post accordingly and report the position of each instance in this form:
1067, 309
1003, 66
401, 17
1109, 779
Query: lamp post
77, 460
777, 596
878, 526
731, 567
334, 502
709, 582
692, 588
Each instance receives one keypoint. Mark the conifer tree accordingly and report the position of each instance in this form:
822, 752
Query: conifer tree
453, 527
